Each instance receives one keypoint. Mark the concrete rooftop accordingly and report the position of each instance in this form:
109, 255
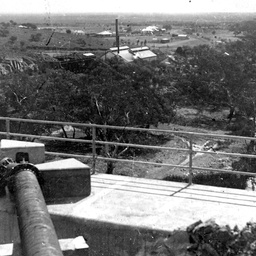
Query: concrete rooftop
125, 213
160, 205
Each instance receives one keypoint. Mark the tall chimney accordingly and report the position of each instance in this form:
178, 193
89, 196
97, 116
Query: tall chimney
117, 36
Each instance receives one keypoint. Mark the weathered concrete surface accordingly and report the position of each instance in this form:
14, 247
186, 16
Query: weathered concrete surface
160, 205
64, 179
9, 148
132, 216
9, 231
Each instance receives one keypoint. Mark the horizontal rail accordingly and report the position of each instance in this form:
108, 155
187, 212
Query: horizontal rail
127, 144
151, 163
45, 137
224, 136
190, 151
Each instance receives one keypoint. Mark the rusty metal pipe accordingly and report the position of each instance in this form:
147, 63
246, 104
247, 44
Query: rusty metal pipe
38, 236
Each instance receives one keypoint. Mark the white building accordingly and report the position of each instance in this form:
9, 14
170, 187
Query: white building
128, 54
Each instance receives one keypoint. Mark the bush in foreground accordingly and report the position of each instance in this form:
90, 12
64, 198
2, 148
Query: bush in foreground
226, 180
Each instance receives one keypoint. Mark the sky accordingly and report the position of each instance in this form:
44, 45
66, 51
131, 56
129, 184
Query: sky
119, 6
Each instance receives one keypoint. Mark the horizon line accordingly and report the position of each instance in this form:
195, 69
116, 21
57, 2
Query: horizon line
133, 13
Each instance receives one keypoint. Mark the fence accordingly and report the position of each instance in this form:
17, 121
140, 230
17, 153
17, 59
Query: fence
94, 142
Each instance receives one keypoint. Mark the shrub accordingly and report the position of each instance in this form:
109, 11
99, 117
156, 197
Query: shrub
226, 180
13, 39
4, 32
35, 37
29, 25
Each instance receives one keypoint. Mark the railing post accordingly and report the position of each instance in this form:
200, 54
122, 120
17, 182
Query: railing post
93, 148
7, 123
190, 177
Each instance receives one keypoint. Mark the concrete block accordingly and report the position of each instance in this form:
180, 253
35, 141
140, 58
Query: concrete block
69, 246
13, 148
64, 179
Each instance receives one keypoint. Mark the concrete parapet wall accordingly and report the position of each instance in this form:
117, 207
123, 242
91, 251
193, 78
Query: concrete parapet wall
137, 217
108, 239
35, 151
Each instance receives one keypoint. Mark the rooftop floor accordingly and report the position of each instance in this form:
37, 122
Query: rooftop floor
159, 205
125, 214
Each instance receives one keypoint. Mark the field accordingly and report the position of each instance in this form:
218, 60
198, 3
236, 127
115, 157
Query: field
54, 37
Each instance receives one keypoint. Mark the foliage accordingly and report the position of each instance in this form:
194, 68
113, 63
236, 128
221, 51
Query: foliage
214, 179
81, 41
4, 32
22, 44
29, 25
167, 26
13, 23
5, 25
13, 39
35, 37
222, 76
105, 93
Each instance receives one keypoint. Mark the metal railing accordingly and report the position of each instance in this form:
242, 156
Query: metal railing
94, 142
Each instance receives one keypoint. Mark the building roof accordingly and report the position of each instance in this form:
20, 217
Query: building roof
150, 29
138, 49
124, 53
129, 55
121, 48
104, 33
143, 53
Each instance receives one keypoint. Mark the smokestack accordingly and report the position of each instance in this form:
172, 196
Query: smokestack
117, 36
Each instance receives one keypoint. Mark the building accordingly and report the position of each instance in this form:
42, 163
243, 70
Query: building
104, 34
143, 53
130, 54
74, 61
165, 40
124, 53
181, 36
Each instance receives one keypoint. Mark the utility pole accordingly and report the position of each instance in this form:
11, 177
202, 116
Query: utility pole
117, 36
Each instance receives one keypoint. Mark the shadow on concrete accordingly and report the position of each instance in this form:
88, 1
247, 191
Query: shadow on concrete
179, 190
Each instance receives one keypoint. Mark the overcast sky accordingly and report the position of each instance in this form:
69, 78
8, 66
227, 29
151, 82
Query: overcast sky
118, 6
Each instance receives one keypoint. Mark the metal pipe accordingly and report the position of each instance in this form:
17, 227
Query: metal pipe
117, 36
190, 177
7, 128
38, 236
93, 149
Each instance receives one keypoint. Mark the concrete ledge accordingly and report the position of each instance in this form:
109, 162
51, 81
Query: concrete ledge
70, 247
148, 203
133, 216
65, 179
35, 151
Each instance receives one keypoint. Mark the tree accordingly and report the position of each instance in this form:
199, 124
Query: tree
29, 25
68, 31
35, 37
106, 93
224, 77
22, 44
5, 25
13, 23
4, 32
167, 26
12, 39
